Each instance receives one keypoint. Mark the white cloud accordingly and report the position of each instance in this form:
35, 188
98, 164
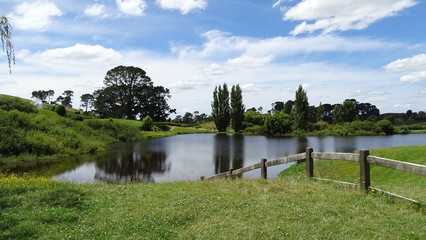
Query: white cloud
34, 16
94, 10
423, 91
415, 63
78, 54
190, 83
250, 87
414, 77
414, 67
248, 61
131, 7
404, 106
224, 44
185, 6
214, 69
341, 15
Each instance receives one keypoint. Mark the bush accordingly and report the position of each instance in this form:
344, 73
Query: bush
255, 130
147, 123
60, 110
386, 126
278, 123
252, 118
321, 125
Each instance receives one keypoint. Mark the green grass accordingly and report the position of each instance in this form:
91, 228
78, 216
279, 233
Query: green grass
401, 183
289, 208
175, 130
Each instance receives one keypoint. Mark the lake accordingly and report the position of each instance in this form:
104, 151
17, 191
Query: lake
188, 157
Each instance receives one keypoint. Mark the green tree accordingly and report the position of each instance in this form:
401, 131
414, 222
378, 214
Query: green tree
130, 93
386, 126
87, 101
6, 40
345, 112
220, 107
278, 123
252, 118
40, 95
237, 108
66, 98
147, 123
300, 112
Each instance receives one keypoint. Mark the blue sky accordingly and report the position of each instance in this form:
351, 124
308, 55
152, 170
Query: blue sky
372, 51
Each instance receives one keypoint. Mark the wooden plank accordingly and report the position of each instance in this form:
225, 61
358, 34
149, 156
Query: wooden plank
398, 165
338, 182
394, 196
291, 158
217, 176
263, 169
247, 169
353, 157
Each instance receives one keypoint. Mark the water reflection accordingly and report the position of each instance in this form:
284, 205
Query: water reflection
223, 144
187, 157
130, 163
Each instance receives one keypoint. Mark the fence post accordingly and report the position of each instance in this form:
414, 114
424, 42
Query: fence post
230, 173
309, 162
364, 170
202, 178
263, 170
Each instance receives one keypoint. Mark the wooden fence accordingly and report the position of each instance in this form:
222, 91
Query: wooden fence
363, 157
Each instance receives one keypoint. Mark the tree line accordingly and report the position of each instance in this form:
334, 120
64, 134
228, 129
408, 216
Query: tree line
297, 116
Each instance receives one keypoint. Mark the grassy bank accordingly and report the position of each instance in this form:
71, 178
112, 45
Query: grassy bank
289, 207
402, 183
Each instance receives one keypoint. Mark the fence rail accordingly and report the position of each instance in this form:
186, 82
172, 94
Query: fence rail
363, 158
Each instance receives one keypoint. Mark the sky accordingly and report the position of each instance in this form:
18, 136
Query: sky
371, 51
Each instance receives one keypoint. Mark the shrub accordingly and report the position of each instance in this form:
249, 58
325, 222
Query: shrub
386, 126
147, 123
278, 123
252, 118
60, 110
255, 130
321, 125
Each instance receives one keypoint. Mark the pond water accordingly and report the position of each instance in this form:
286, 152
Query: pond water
188, 157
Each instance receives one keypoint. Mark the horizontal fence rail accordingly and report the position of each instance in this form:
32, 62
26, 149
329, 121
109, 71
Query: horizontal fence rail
363, 158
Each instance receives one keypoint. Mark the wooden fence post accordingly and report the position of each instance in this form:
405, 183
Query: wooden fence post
309, 162
230, 173
364, 170
263, 170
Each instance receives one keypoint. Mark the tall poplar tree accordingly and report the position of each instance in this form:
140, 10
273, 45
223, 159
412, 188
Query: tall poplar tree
220, 107
237, 108
301, 109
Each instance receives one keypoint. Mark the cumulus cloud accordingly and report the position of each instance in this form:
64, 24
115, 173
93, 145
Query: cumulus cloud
404, 106
413, 67
131, 7
94, 10
341, 15
250, 87
34, 16
214, 69
78, 54
185, 6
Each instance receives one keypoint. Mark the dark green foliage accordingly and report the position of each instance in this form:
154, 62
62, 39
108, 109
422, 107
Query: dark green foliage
129, 93
220, 107
147, 123
66, 99
61, 110
300, 112
278, 123
345, 112
252, 118
237, 108
386, 127
255, 130
9, 103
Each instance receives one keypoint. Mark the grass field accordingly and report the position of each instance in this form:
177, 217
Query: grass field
289, 207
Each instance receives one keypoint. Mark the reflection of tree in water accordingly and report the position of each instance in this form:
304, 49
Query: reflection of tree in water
131, 163
222, 156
